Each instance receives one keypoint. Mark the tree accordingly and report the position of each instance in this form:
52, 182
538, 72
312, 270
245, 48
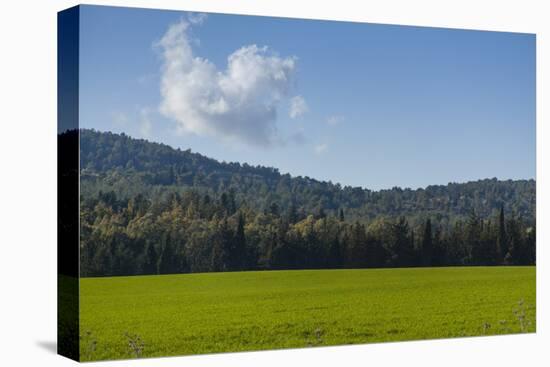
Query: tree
239, 248
358, 246
439, 251
473, 240
216, 257
225, 242
502, 245
216, 216
166, 260
401, 244
150, 260
376, 257
427, 244
320, 212
274, 209
518, 252
335, 258
530, 244
232, 205
224, 199
292, 213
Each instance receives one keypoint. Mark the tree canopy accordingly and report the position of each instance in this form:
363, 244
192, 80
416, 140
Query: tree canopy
147, 208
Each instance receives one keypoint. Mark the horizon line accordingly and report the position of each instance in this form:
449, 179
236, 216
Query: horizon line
403, 188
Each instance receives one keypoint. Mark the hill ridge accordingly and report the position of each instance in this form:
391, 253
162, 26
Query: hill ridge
307, 177
130, 166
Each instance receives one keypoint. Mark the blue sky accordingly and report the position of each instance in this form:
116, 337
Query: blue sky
375, 106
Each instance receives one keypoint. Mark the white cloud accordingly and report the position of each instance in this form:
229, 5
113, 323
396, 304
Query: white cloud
238, 103
321, 148
196, 18
335, 120
298, 107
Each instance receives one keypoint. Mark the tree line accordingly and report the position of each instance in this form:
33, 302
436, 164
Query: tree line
127, 166
197, 232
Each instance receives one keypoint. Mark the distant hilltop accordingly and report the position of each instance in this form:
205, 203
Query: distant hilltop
126, 166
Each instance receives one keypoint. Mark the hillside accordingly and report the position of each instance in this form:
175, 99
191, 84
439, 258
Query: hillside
128, 166
146, 208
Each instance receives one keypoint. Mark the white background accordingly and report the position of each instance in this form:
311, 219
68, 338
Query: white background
28, 182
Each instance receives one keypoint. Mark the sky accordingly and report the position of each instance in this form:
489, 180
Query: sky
359, 104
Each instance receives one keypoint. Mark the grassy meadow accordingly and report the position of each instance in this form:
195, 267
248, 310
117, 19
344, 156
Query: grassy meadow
147, 316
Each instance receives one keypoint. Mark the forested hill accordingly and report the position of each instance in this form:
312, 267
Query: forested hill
129, 167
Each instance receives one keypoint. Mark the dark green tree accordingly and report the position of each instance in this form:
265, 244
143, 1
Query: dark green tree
341, 215
166, 260
401, 245
502, 244
427, 244
150, 259
239, 248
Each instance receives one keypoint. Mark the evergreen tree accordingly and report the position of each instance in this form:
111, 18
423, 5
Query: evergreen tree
274, 209
292, 213
150, 261
334, 258
501, 245
166, 260
473, 240
516, 252
439, 253
427, 244
239, 258
321, 213
232, 204
216, 257
376, 257
136, 219
225, 239
358, 246
224, 199
401, 244
530, 241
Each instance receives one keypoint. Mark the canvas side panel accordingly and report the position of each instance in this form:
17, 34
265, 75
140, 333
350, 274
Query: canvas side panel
68, 211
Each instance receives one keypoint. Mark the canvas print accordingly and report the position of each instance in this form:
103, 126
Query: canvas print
237, 183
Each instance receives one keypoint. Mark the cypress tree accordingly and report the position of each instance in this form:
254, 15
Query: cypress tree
292, 213
165, 264
473, 239
341, 217
427, 244
226, 241
150, 261
401, 244
502, 245
358, 245
239, 245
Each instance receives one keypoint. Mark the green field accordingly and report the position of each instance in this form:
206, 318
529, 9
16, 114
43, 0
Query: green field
125, 317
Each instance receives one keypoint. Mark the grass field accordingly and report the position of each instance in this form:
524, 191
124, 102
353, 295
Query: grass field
125, 317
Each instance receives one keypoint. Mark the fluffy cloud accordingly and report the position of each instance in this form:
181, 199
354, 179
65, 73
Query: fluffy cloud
238, 103
298, 107
196, 18
335, 120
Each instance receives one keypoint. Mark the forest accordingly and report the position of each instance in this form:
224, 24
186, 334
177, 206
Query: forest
146, 208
